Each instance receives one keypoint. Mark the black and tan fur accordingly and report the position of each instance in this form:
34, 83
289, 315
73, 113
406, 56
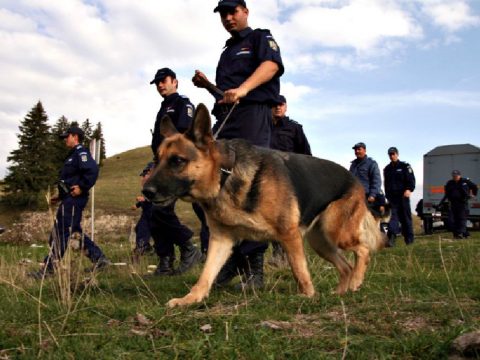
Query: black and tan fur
269, 195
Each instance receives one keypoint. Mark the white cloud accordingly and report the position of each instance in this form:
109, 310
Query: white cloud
360, 24
453, 15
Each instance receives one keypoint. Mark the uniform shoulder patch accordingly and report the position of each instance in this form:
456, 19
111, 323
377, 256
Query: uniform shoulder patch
84, 157
273, 45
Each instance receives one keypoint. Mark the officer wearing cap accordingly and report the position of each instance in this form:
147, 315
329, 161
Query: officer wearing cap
177, 107
287, 135
366, 170
248, 71
458, 191
78, 174
166, 228
399, 181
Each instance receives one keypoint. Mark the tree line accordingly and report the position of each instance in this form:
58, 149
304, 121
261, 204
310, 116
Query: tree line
40, 155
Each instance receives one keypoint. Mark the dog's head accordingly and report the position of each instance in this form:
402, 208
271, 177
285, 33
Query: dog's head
186, 163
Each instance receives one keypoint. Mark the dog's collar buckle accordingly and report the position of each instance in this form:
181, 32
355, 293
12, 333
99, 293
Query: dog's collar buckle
225, 173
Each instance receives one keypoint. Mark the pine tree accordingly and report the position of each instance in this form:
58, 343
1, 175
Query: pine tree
31, 171
98, 134
59, 150
87, 130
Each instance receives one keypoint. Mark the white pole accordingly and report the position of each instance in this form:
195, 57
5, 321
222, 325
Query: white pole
93, 152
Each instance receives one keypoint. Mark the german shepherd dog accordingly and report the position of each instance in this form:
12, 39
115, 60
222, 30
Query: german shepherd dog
249, 192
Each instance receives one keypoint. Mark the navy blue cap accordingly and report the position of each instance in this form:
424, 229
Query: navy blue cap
392, 150
147, 168
280, 100
162, 74
456, 172
229, 4
73, 130
359, 145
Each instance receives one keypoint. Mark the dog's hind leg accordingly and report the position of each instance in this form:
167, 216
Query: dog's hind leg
293, 245
219, 249
329, 251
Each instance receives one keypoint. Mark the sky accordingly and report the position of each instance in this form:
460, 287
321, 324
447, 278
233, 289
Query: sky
401, 73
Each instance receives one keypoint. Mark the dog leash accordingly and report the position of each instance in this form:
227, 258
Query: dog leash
224, 121
212, 88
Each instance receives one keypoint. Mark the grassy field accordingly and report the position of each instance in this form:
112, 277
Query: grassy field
415, 300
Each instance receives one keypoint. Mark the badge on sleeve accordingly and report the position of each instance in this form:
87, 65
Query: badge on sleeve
190, 111
273, 45
83, 157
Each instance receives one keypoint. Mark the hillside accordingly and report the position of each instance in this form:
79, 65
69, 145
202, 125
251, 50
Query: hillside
119, 183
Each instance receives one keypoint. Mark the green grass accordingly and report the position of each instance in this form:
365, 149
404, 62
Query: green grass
414, 302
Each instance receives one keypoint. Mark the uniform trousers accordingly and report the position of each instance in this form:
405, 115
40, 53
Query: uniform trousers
68, 221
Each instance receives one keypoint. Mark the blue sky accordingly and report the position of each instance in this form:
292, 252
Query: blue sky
386, 72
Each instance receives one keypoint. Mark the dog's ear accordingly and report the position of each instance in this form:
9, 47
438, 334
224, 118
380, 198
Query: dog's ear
200, 131
166, 127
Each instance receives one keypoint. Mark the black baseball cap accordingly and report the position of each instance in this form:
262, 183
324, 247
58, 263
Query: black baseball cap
280, 100
392, 150
162, 74
147, 168
359, 145
456, 172
73, 130
229, 4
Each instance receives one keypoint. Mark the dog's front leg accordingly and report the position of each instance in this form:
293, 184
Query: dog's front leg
219, 250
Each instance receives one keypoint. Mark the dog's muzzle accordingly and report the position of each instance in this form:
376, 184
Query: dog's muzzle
150, 192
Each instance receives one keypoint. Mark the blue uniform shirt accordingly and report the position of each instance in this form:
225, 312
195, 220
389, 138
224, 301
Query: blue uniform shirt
366, 170
79, 169
179, 109
288, 135
398, 177
242, 55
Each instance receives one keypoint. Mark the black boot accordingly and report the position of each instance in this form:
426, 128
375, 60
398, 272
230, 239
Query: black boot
189, 256
254, 271
232, 268
390, 240
164, 267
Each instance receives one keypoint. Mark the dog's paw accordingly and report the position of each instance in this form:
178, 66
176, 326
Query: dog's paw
184, 301
174, 302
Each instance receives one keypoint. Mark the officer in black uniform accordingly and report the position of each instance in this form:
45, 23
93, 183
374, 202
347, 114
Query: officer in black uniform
78, 174
399, 181
287, 135
248, 73
458, 191
166, 228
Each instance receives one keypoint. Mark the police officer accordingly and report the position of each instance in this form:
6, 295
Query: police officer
287, 135
78, 174
399, 181
366, 170
248, 73
458, 191
142, 228
166, 228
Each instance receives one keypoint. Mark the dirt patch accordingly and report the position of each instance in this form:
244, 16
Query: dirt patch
35, 227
